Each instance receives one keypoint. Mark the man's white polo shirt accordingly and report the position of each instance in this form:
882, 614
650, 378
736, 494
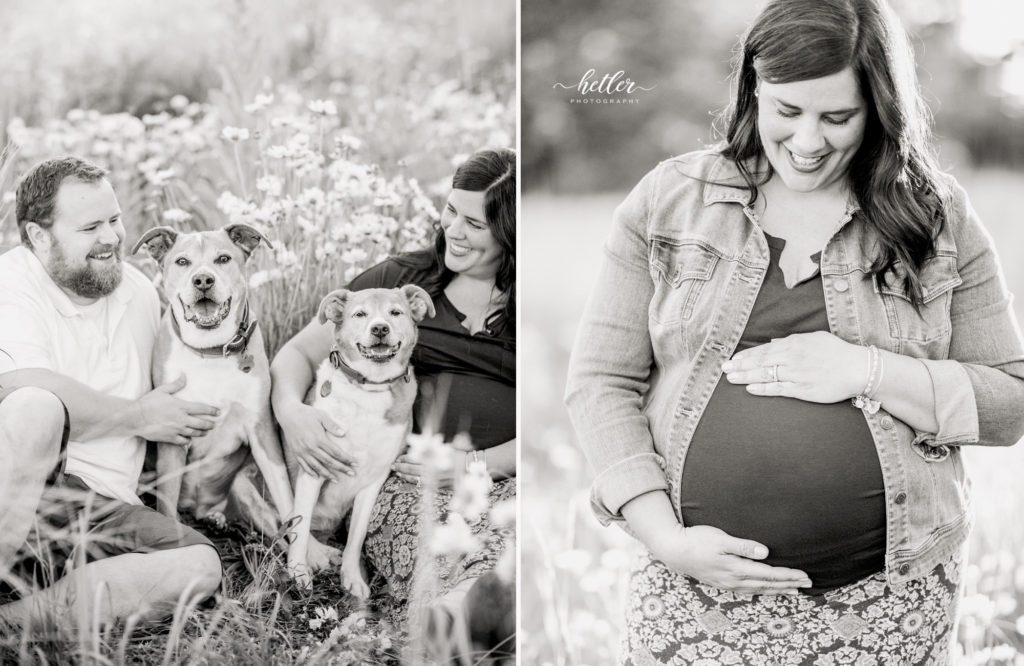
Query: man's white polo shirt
106, 346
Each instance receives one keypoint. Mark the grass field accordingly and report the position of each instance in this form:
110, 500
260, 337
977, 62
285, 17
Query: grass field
574, 582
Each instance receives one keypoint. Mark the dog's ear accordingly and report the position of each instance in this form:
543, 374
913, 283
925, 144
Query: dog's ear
333, 306
420, 303
158, 241
246, 237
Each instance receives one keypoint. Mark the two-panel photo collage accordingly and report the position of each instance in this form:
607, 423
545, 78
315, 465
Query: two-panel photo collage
512, 332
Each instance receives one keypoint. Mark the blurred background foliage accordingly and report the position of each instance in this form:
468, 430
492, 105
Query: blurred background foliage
970, 63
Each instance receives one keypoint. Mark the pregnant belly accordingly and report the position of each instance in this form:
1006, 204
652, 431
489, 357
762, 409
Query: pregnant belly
801, 478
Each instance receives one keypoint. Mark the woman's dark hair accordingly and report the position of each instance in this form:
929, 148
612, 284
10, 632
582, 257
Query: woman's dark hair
893, 175
492, 172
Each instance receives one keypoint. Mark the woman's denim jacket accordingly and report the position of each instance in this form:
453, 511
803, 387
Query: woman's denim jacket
682, 268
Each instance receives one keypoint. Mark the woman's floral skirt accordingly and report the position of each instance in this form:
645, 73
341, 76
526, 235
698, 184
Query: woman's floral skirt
393, 540
673, 619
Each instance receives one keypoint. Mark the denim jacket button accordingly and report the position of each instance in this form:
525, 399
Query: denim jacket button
904, 569
901, 498
887, 423
841, 285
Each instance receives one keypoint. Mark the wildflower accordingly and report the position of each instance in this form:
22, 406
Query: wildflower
176, 216
259, 103
470, 496
260, 278
75, 116
151, 120
312, 197
503, 514
355, 256
285, 257
505, 568
325, 250
160, 178
1003, 652
454, 538
235, 133
430, 450
271, 185
276, 152
348, 142
323, 615
179, 103
324, 107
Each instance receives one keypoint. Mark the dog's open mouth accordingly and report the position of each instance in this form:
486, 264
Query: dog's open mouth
380, 353
205, 312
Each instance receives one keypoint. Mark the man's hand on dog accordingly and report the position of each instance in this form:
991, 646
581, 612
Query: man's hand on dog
310, 432
161, 417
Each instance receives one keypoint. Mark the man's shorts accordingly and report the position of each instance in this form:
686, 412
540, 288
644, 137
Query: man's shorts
74, 524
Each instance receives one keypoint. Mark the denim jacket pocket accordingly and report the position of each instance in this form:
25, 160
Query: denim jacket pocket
680, 270
926, 329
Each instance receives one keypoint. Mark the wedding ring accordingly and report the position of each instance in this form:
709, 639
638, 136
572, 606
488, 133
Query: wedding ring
775, 372
419, 482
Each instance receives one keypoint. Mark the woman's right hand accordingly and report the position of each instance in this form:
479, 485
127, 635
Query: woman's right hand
715, 558
317, 441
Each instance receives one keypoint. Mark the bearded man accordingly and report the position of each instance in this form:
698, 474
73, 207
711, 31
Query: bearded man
77, 328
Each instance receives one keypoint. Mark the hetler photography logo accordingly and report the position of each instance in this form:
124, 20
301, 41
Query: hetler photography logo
614, 88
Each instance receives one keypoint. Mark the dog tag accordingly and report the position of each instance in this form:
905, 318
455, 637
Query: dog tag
325, 389
245, 362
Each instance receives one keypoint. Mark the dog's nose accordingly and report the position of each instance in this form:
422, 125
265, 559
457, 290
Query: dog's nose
203, 281
380, 330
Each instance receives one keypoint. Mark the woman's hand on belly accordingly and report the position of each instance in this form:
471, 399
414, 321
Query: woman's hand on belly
715, 558
707, 553
816, 367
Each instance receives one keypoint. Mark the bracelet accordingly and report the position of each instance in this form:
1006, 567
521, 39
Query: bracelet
477, 457
875, 371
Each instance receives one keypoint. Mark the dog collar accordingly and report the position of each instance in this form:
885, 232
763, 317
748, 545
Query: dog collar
238, 342
360, 378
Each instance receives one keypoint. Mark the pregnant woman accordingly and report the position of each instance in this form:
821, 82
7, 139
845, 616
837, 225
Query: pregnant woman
790, 338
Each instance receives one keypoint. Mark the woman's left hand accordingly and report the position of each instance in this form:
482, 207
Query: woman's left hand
408, 470
816, 367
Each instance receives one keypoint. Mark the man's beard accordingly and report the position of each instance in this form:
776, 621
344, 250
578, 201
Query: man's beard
86, 281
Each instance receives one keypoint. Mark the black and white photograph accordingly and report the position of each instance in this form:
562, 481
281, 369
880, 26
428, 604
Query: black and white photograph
773, 365
258, 332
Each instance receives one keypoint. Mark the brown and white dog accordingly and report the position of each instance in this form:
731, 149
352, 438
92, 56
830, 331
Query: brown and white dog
368, 385
209, 333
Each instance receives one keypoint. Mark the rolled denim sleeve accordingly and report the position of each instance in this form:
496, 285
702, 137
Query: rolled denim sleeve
611, 362
979, 391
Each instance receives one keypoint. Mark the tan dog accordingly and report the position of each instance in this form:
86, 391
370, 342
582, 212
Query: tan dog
367, 385
209, 333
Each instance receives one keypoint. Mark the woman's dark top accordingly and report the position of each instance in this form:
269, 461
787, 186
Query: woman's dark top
472, 378
802, 478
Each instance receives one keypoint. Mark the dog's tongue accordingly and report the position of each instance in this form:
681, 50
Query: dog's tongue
205, 307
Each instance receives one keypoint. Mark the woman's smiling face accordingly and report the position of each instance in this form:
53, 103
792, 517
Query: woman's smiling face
470, 247
811, 129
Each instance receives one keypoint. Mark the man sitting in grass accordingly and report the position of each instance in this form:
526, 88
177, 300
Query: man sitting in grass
77, 329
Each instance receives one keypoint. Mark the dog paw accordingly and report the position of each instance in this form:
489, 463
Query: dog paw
217, 519
320, 556
301, 575
354, 583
